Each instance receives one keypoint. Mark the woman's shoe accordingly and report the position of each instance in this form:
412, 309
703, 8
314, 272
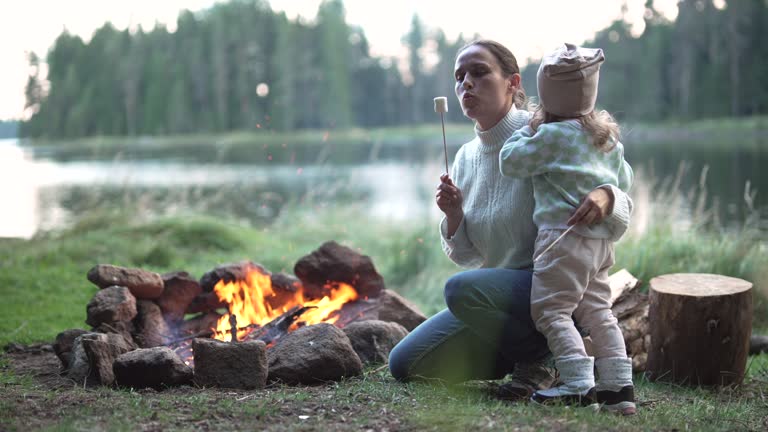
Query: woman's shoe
526, 378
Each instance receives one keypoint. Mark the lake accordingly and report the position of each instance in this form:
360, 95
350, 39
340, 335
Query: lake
50, 187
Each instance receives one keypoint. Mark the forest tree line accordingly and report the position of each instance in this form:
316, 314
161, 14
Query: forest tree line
241, 66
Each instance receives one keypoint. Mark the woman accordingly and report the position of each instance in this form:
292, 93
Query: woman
487, 330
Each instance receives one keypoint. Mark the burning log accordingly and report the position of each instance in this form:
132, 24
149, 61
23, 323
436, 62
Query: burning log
233, 327
279, 326
267, 333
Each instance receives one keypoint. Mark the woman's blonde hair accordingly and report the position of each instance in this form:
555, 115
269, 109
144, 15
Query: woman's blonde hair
599, 125
506, 61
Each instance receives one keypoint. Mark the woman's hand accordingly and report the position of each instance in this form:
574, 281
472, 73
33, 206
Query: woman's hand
448, 197
594, 207
449, 200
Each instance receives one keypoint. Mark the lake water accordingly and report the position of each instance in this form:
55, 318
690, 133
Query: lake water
50, 187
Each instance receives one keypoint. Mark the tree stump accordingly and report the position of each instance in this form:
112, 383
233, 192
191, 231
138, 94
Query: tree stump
700, 328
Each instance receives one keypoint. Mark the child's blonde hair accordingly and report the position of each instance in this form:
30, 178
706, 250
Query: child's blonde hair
599, 125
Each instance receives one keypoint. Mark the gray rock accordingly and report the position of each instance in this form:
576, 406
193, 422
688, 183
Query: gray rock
142, 283
199, 323
79, 369
373, 340
63, 345
102, 350
111, 305
178, 292
312, 355
151, 330
151, 367
123, 328
333, 262
205, 302
394, 308
231, 365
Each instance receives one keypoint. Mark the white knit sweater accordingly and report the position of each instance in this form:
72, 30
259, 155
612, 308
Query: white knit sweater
498, 230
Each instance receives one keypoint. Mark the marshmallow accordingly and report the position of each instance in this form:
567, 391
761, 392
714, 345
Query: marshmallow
441, 104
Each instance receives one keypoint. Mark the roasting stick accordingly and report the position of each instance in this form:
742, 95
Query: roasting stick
554, 243
441, 106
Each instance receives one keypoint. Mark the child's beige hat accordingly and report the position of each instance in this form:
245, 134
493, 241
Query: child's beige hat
567, 80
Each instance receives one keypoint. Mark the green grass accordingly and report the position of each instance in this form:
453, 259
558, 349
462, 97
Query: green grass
373, 401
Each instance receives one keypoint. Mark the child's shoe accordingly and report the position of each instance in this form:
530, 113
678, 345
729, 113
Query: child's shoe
577, 375
614, 385
557, 396
621, 402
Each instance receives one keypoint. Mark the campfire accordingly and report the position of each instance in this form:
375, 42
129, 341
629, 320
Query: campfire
240, 325
249, 308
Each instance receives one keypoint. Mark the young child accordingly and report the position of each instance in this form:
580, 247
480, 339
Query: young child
569, 149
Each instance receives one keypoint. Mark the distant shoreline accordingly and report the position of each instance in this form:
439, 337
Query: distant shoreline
750, 130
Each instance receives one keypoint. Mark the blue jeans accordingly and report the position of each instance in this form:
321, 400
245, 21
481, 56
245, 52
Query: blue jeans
486, 329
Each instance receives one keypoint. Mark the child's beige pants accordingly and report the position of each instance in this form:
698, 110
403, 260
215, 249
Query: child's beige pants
570, 282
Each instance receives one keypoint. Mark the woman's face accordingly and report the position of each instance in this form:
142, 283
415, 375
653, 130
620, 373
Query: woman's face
484, 93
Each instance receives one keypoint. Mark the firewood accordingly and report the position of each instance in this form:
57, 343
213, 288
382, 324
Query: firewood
279, 326
270, 331
629, 304
700, 326
621, 283
233, 327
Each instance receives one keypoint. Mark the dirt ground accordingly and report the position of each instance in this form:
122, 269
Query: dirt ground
35, 396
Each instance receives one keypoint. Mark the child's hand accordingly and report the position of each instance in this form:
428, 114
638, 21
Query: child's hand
448, 197
593, 209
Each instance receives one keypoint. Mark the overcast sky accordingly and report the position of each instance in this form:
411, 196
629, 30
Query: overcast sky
528, 28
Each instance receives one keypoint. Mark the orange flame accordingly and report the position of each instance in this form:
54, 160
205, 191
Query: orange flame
247, 300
